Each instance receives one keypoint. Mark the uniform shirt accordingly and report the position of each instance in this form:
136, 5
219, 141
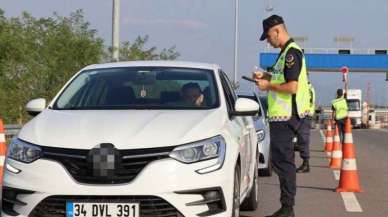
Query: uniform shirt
292, 69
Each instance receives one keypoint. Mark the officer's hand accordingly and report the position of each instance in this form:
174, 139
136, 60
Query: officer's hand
262, 84
258, 75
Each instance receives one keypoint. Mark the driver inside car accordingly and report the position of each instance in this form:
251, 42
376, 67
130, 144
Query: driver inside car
192, 94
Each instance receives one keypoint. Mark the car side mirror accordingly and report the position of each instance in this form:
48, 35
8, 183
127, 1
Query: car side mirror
36, 106
245, 107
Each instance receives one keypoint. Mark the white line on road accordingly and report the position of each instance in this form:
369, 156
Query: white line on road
336, 174
322, 135
381, 130
349, 198
351, 202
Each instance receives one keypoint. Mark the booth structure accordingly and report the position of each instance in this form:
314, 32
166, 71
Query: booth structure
323, 62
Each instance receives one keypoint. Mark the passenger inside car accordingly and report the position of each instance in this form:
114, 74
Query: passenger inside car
192, 94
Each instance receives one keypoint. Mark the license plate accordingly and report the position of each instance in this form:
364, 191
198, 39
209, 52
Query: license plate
74, 209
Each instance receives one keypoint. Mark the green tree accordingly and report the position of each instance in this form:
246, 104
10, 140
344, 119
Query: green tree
37, 56
138, 51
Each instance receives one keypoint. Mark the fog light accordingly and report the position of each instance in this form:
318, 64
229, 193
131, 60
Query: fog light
212, 195
12, 169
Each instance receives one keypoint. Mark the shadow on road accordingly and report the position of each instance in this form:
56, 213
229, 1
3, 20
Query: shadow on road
304, 187
316, 188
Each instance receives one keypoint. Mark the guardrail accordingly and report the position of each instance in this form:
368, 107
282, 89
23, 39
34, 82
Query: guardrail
11, 130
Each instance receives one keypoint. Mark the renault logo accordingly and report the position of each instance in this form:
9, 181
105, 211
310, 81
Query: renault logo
104, 159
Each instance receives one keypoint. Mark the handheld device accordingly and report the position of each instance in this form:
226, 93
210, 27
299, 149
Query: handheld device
248, 79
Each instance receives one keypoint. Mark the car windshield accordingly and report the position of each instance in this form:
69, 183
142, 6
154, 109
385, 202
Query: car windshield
140, 88
353, 105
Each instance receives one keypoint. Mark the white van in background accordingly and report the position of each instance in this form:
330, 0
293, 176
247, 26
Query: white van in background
354, 99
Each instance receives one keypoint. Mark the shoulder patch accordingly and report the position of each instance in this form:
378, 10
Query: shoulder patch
290, 60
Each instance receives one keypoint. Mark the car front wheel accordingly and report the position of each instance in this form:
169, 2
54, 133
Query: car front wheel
236, 192
250, 203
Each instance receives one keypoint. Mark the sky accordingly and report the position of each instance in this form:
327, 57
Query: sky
203, 30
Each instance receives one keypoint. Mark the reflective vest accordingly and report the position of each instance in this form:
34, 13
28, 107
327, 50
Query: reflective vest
340, 107
312, 100
280, 104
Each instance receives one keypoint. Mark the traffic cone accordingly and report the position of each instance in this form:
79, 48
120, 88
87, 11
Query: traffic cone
3, 150
329, 140
349, 181
336, 155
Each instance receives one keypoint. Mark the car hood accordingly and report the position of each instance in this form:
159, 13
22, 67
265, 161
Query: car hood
125, 129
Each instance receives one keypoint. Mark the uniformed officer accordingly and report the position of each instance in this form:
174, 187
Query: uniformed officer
340, 112
287, 106
304, 134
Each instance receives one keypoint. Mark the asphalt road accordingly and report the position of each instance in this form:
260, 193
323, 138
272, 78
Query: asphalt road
315, 190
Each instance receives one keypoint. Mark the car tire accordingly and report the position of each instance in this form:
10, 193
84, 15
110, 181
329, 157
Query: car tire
236, 192
251, 202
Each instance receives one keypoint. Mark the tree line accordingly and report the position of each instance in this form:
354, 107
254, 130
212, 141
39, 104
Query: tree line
38, 55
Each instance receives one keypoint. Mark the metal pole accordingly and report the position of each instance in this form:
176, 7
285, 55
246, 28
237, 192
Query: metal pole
236, 42
269, 10
116, 30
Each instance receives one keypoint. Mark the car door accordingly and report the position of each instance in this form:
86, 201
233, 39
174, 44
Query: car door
264, 107
244, 131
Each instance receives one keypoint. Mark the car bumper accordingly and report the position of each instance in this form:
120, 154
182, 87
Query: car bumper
165, 179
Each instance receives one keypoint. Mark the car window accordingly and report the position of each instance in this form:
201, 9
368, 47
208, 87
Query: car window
230, 87
353, 104
228, 92
141, 88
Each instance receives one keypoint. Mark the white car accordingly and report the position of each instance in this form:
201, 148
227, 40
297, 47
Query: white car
263, 133
124, 139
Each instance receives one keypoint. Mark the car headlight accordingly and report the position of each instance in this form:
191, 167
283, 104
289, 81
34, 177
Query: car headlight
260, 135
22, 151
213, 148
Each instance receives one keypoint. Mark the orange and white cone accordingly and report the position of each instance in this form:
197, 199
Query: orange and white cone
329, 140
3, 150
349, 181
336, 155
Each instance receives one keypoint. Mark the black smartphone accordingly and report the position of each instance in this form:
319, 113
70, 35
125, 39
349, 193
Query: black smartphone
248, 79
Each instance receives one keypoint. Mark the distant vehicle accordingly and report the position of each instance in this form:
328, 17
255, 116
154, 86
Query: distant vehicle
136, 139
263, 134
354, 99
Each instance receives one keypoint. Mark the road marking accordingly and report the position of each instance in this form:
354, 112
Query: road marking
381, 130
336, 175
322, 135
350, 200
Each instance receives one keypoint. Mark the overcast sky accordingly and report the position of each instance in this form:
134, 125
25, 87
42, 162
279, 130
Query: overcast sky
203, 30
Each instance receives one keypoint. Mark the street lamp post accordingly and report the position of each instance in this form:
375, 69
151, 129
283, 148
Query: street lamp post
269, 10
116, 30
236, 43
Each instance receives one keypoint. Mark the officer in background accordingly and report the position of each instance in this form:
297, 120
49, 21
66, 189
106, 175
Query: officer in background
340, 112
288, 104
304, 134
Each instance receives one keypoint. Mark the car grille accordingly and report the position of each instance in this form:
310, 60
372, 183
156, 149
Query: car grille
130, 164
150, 206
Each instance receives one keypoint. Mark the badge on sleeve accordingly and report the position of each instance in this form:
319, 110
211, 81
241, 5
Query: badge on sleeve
290, 60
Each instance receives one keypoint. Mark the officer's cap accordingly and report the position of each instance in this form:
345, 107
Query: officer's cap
270, 22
